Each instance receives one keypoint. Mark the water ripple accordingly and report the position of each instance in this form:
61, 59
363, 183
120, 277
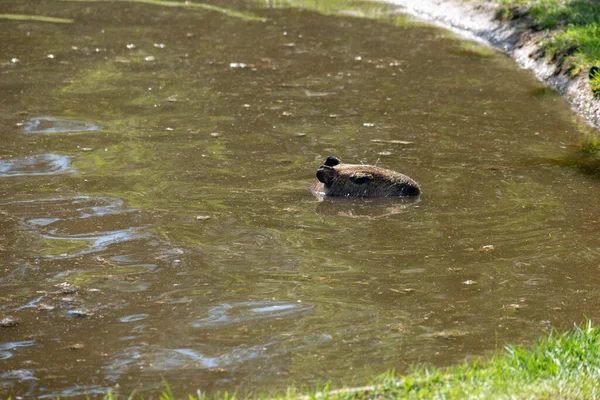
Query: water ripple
41, 164
168, 359
133, 318
6, 347
95, 242
225, 314
57, 125
67, 207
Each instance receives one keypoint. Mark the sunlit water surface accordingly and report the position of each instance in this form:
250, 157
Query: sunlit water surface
155, 219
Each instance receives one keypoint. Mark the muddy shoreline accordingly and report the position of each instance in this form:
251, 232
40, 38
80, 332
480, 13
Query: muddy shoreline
476, 19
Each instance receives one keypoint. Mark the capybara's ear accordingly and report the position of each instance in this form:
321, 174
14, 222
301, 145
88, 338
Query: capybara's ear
325, 174
332, 161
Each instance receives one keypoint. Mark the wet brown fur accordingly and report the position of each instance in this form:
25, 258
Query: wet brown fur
355, 180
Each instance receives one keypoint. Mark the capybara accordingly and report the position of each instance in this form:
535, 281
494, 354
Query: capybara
356, 180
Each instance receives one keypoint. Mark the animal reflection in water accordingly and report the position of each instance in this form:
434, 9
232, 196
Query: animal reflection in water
362, 191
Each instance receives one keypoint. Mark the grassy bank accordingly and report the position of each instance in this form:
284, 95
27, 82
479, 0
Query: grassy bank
563, 365
574, 31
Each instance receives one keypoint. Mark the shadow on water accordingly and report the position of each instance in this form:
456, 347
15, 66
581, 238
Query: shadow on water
582, 157
584, 163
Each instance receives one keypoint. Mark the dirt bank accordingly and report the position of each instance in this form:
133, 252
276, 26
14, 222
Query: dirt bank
477, 19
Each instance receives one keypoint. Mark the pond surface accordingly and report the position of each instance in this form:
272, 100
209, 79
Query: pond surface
156, 223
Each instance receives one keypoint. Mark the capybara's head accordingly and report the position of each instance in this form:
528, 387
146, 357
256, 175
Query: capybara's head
355, 180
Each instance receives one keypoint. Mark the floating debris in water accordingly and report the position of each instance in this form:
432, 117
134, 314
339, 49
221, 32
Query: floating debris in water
66, 288
310, 93
237, 65
486, 248
8, 322
215, 134
391, 141
300, 134
469, 282
50, 56
202, 217
131, 46
368, 124
160, 45
75, 346
149, 58
45, 307
357, 58
287, 114
448, 335
385, 153
403, 291
514, 307
14, 60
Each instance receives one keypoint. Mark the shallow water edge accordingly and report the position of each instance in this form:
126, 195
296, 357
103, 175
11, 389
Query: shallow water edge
477, 19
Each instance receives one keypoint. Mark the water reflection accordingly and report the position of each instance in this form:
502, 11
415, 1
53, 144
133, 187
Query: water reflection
43, 164
18, 375
76, 391
365, 208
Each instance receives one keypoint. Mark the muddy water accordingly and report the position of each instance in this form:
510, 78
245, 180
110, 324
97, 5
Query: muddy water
156, 223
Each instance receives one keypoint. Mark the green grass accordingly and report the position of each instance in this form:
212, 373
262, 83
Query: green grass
574, 25
591, 144
558, 366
